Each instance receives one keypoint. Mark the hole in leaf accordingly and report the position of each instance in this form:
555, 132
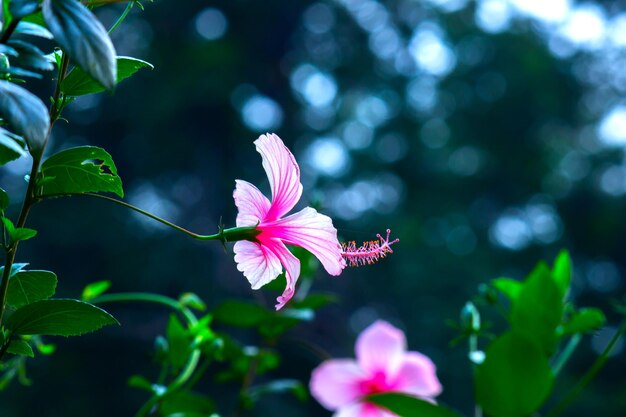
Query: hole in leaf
105, 169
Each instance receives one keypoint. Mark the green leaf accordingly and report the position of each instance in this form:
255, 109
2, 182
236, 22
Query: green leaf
562, 272
407, 406
11, 146
511, 288
4, 200
23, 233
584, 320
26, 114
278, 323
538, 310
185, 403
240, 314
78, 83
58, 317
19, 233
26, 287
515, 378
279, 386
315, 301
79, 170
21, 347
95, 289
138, 381
21, 8
84, 38
178, 342
192, 300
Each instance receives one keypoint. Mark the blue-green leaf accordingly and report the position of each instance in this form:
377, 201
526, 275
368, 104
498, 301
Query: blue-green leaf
30, 56
58, 317
26, 114
33, 29
83, 37
21, 8
79, 170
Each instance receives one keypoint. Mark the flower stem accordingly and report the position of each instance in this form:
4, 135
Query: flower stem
122, 16
566, 354
9, 30
588, 377
148, 298
29, 198
224, 235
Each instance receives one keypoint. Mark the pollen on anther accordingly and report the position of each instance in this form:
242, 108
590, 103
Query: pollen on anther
369, 252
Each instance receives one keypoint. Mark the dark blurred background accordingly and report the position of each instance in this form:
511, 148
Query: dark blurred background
486, 134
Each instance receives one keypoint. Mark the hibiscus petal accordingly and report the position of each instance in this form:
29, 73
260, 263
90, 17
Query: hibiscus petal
314, 232
417, 375
336, 383
363, 409
251, 203
381, 348
292, 269
283, 173
257, 262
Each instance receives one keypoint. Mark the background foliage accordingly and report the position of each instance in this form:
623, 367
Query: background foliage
498, 146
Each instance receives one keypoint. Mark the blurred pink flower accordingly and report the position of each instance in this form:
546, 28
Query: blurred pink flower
263, 259
382, 365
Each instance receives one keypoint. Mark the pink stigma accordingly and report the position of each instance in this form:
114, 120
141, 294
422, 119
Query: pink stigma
369, 252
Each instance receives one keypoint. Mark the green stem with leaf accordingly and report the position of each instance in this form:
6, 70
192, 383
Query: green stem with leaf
590, 375
30, 198
194, 357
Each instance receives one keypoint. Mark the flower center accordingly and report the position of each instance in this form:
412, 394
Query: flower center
375, 384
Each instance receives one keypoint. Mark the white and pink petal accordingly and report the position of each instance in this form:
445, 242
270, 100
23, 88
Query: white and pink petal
252, 205
336, 383
314, 232
257, 262
381, 348
417, 375
282, 172
292, 269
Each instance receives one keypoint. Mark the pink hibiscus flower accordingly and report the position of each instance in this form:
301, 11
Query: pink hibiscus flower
382, 365
264, 258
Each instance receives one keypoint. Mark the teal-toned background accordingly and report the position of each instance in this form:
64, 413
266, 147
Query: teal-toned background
486, 135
